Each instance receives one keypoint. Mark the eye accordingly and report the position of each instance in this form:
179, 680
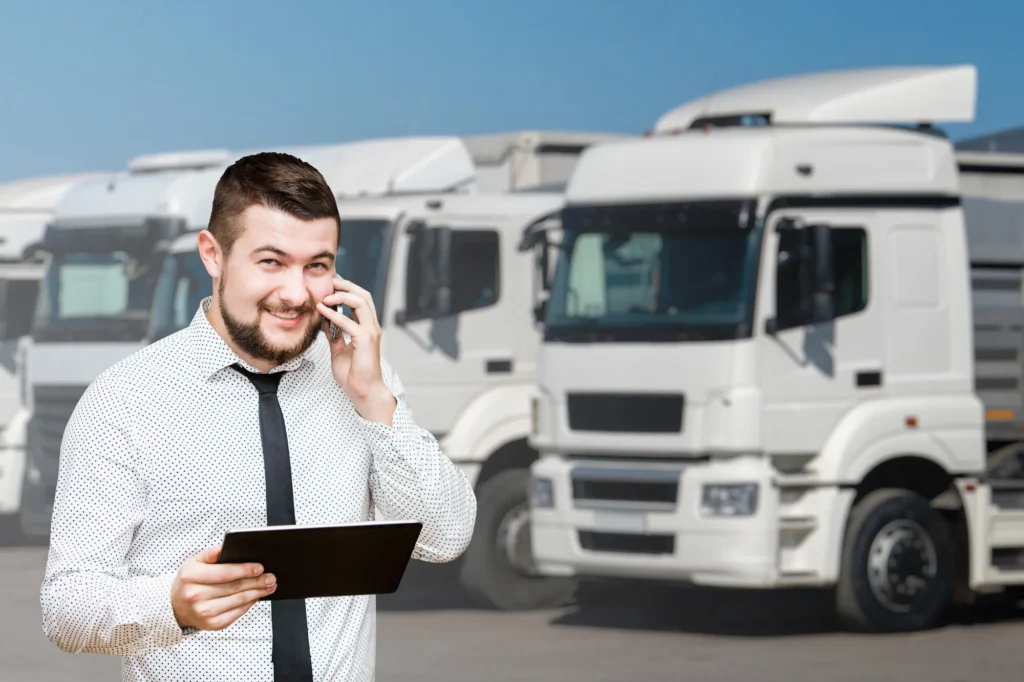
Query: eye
269, 261
319, 265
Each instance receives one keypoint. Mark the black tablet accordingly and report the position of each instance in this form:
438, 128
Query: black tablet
327, 560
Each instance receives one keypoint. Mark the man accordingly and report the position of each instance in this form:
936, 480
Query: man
248, 417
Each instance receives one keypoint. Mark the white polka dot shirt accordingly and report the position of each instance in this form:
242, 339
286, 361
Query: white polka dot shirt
163, 455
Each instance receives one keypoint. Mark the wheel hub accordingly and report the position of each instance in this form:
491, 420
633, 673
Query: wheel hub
901, 564
513, 539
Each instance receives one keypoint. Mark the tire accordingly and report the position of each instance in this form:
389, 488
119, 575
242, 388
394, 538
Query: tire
925, 550
487, 571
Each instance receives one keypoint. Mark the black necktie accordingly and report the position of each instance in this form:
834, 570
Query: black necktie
288, 616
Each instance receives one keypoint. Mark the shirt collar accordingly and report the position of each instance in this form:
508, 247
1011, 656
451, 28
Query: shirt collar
213, 354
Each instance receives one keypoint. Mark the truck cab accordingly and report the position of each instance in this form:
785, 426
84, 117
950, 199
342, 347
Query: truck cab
103, 248
25, 207
758, 366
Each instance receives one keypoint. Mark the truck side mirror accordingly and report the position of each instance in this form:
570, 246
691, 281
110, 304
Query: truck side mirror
428, 273
820, 263
540, 311
17, 305
442, 298
808, 273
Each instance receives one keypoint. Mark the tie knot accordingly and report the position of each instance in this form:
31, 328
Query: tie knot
264, 383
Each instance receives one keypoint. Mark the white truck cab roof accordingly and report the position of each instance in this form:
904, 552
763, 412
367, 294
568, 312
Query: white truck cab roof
887, 94
790, 151
182, 184
25, 207
144, 190
401, 165
529, 159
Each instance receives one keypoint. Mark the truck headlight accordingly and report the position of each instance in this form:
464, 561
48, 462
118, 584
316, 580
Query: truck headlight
542, 493
733, 499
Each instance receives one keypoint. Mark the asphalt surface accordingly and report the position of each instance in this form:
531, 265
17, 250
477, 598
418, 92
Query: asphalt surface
431, 631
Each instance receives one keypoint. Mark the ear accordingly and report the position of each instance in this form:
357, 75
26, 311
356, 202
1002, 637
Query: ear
211, 253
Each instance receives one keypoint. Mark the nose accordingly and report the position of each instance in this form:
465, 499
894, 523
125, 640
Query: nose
293, 291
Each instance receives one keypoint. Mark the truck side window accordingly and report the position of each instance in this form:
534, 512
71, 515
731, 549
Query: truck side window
474, 269
849, 252
850, 267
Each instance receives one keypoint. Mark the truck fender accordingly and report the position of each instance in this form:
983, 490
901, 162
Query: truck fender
948, 431
492, 419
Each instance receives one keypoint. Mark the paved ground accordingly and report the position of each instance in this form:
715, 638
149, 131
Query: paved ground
429, 631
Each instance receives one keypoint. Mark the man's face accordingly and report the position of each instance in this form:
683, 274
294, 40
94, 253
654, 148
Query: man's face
279, 268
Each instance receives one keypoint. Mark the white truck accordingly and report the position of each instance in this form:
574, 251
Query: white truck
776, 354
102, 246
25, 207
455, 296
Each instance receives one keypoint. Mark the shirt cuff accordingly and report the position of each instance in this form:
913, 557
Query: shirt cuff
152, 596
400, 437
379, 429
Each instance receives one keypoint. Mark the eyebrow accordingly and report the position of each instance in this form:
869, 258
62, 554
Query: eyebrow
273, 249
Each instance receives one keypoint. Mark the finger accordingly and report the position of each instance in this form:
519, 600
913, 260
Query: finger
215, 574
236, 586
228, 617
347, 285
216, 607
210, 555
359, 305
347, 324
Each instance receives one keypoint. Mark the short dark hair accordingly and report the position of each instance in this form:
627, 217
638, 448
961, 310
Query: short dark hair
272, 179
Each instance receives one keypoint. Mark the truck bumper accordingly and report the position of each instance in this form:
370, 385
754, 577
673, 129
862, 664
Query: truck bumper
649, 521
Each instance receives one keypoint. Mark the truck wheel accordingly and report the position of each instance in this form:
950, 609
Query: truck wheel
896, 572
498, 565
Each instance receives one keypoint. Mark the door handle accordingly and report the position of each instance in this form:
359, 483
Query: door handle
499, 366
869, 378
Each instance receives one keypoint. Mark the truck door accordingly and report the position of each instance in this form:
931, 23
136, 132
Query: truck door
810, 373
450, 340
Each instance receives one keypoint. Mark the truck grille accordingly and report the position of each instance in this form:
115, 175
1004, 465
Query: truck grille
625, 412
651, 488
626, 543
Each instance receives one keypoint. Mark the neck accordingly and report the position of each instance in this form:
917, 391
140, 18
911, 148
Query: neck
216, 320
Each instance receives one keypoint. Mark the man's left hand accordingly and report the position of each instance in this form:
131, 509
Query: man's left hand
356, 363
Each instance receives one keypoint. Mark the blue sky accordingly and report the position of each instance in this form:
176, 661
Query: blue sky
87, 85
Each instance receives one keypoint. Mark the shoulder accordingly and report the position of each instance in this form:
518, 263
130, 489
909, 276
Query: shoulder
150, 366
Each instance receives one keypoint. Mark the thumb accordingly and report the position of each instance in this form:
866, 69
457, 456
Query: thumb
210, 555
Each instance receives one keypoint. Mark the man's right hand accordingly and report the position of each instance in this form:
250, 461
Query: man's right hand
211, 596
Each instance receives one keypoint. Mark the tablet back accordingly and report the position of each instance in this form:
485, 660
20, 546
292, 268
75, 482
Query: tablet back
327, 561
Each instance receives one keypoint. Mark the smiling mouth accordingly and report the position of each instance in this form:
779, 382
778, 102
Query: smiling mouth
288, 319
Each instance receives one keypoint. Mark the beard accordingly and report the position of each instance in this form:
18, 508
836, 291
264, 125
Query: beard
250, 338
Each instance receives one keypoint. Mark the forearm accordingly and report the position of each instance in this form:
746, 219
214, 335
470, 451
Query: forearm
88, 611
411, 478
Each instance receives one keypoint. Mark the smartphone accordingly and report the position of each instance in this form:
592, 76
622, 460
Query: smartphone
334, 331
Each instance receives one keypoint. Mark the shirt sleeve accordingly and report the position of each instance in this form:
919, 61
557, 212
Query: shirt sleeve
90, 601
411, 478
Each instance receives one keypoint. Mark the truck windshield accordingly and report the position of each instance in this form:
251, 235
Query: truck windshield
682, 272
95, 296
362, 255
181, 287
